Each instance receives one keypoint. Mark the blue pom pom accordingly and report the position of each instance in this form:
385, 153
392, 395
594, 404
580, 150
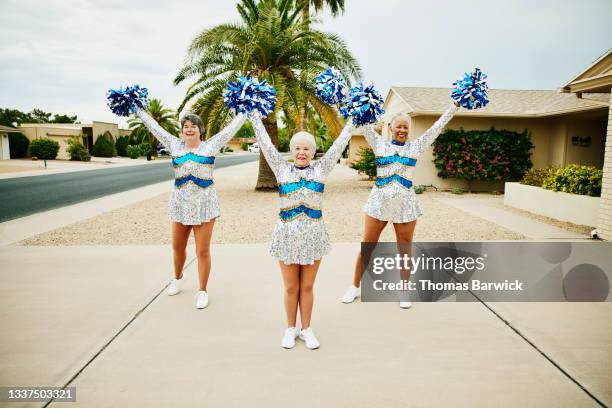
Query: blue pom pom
123, 102
364, 104
248, 94
471, 92
331, 86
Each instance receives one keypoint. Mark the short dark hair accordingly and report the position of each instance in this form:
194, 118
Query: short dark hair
195, 119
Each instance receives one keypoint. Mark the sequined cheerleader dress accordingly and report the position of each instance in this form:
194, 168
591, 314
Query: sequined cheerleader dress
194, 197
300, 236
392, 197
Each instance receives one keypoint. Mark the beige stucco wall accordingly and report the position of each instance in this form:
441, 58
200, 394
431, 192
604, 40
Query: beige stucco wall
100, 127
604, 226
4, 146
591, 155
59, 134
124, 132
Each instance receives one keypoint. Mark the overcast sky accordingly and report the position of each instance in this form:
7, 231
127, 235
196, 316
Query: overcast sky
62, 56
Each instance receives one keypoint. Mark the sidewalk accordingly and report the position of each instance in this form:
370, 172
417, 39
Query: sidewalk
98, 316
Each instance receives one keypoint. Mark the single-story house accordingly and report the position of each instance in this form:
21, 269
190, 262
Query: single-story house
553, 119
62, 132
597, 79
236, 143
5, 151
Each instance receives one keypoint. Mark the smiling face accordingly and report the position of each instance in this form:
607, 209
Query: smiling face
190, 132
399, 129
302, 154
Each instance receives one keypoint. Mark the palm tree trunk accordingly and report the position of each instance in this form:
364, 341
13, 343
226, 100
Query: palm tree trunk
266, 179
306, 13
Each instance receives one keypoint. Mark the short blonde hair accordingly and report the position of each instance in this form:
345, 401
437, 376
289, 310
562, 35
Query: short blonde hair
304, 137
399, 116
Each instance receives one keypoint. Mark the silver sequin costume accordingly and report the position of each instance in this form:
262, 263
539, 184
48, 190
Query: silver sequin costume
194, 198
300, 236
392, 198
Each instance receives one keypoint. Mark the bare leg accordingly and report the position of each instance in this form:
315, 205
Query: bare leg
404, 233
291, 280
180, 236
308, 274
371, 233
203, 235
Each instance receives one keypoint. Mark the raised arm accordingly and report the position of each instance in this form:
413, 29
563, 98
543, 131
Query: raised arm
216, 142
419, 145
165, 138
273, 157
370, 135
329, 160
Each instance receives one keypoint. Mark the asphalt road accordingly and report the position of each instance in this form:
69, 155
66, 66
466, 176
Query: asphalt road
23, 196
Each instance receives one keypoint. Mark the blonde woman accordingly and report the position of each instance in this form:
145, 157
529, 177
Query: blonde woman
300, 240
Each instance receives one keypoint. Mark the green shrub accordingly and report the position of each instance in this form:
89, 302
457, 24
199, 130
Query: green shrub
535, 177
492, 155
366, 164
77, 151
44, 148
574, 179
283, 144
457, 190
419, 189
133, 152
121, 145
18, 145
244, 146
228, 150
103, 148
145, 147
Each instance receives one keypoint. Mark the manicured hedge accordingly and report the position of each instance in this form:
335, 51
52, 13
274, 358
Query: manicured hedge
103, 148
366, 164
77, 151
121, 145
573, 179
44, 148
491, 155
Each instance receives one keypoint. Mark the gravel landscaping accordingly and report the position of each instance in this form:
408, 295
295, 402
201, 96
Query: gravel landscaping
248, 216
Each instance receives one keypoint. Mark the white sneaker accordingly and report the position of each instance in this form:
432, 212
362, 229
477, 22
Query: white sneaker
351, 294
202, 300
175, 286
309, 338
405, 302
289, 338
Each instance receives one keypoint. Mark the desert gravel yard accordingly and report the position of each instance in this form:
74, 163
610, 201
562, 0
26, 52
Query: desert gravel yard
248, 216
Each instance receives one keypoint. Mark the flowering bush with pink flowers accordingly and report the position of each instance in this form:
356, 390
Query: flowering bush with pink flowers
489, 155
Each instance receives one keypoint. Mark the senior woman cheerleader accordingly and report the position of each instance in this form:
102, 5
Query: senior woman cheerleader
193, 204
300, 239
392, 198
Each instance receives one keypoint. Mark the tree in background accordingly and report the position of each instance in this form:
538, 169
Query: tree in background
165, 117
271, 43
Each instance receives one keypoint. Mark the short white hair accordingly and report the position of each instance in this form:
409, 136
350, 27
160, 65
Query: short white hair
303, 137
399, 116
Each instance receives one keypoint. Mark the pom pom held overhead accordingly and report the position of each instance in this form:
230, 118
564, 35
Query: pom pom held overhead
471, 92
123, 102
364, 104
249, 94
331, 86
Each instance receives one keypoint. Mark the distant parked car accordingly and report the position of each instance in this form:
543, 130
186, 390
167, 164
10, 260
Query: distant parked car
254, 148
162, 151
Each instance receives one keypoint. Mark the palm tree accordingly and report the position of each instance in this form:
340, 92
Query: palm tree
164, 116
270, 43
335, 6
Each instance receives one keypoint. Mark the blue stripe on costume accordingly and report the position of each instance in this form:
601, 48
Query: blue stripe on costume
288, 188
203, 183
383, 181
194, 158
289, 214
385, 160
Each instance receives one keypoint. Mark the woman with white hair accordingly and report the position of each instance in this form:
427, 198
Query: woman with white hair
194, 204
392, 199
300, 239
